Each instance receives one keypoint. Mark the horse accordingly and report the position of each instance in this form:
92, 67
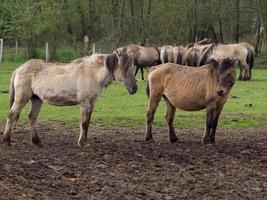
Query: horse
192, 56
143, 56
179, 54
191, 89
79, 82
166, 54
243, 53
250, 58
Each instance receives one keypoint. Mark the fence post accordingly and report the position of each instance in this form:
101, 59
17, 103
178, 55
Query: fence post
1, 49
16, 41
47, 56
93, 49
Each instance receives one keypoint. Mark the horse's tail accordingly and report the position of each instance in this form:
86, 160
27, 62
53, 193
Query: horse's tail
179, 58
195, 59
165, 56
250, 60
12, 90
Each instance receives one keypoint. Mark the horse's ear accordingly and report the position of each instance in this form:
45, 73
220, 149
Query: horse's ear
124, 50
111, 62
215, 63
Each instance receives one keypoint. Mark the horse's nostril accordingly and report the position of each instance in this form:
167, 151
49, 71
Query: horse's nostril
134, 89
220, 93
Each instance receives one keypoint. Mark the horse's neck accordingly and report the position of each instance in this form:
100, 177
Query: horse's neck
211, 86
104, 76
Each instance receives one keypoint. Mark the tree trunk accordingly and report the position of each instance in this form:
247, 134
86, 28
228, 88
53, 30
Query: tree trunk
220, 28
237, 35
260, 29
83, 23
92, 18
194, 21
137, 19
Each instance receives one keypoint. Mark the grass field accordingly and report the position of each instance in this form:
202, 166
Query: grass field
247, 106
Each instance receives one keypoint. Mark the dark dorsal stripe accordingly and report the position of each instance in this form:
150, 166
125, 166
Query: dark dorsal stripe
111, 62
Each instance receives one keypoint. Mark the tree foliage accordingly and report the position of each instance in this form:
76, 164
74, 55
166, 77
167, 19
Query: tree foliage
117, 22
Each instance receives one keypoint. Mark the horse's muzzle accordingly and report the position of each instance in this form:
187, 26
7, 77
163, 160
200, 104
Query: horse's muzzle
221, 93
133, 90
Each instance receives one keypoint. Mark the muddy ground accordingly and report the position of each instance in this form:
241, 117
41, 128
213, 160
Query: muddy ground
118, 164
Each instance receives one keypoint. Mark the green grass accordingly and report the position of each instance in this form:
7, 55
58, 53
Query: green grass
116, 107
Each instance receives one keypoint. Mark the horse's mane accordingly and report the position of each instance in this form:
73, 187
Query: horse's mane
77, 61
207, 53
223, 64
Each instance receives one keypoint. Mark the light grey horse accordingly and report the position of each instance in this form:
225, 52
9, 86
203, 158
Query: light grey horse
79, 82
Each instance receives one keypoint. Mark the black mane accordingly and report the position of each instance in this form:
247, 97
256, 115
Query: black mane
206, 54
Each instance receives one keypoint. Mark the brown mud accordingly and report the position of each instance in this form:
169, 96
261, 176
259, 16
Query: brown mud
117, 164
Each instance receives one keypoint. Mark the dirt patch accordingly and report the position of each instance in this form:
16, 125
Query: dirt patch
118, 164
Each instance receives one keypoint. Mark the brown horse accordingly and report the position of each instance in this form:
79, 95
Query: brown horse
79, 82
241, 52
143, 56
191, 89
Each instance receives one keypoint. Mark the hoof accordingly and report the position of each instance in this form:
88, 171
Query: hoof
205, 140
6, 140
212, 140
173, 140
36, 141
81, 143
149, 138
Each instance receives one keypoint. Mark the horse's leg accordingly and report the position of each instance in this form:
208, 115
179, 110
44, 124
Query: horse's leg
142, 72
36, 104
247, 72
86, 112
13, 115
209, 123
245, 67
152, 107
136, 70
215, 123
169, 117
241, 75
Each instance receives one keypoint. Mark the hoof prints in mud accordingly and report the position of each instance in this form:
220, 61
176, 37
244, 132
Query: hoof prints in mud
117, 164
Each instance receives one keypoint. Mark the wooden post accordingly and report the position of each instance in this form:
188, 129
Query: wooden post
1, 49
16, 42
93, 49
47, 56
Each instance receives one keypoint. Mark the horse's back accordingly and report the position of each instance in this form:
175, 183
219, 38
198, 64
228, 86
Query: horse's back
184, 86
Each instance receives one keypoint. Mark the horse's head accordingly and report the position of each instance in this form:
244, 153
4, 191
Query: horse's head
121, 64
224, 71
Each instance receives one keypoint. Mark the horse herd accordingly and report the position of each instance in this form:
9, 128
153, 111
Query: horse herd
181, 86
194, 54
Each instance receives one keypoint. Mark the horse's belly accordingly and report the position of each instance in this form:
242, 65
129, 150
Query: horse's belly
58, 97
188, 103
57, 101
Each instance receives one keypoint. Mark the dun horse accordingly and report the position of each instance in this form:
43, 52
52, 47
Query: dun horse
143, 57
192, 57
79, 82
190, 89
179, 54
242, 52
166, 54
